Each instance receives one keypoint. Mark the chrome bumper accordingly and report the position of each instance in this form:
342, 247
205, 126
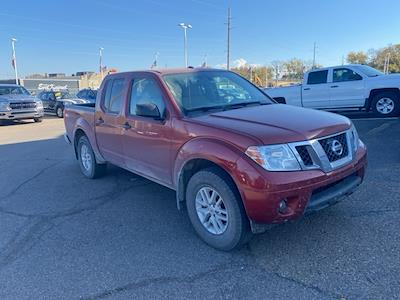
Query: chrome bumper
17, 114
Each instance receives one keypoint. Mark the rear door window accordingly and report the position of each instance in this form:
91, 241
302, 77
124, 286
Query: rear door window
113, 98
317, 77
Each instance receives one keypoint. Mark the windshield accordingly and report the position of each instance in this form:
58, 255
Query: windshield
206, 90
369, 71
13, 90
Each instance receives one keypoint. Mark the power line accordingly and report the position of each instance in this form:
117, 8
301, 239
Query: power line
228, 39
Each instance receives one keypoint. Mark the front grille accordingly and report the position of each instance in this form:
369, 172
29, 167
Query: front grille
23, 105
304, 155
335, 147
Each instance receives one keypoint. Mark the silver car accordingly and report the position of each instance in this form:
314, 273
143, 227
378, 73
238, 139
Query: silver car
16, 103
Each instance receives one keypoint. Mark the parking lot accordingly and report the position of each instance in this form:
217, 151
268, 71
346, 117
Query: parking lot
120, 237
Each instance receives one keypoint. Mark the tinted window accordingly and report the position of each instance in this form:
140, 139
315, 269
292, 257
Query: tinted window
344, 74
81, 94
114, 96
317, 77
208, 89
145, 90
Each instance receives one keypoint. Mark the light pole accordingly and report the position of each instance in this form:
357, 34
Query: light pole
185, 27
14, 59
101, 61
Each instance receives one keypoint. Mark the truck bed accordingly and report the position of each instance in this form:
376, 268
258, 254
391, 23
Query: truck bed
78, 114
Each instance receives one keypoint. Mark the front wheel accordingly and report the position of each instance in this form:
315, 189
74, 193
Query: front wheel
386, 104
59, 112
87, 160
216, 211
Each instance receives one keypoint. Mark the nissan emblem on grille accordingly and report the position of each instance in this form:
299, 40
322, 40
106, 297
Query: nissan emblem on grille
337, 147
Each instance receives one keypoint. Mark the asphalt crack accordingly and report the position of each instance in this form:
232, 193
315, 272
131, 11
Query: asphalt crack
18, 187
37, 225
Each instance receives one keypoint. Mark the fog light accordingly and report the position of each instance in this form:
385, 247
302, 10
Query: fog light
282, 206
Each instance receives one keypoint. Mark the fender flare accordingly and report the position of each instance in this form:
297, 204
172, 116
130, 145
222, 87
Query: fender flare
88, 130
218, 153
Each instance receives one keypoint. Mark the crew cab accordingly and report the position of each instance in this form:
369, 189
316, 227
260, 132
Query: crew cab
16, 103
349, 87
236, 159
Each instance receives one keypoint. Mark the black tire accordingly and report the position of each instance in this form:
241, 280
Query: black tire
59, 112
38, 120
391, 97
237, 230
96, 170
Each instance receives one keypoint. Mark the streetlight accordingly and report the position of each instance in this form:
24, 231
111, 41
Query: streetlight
101, 61
14, 59
185, 27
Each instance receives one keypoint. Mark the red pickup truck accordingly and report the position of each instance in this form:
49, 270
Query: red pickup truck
235, 158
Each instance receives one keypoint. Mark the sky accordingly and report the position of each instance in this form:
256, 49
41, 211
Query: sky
65, 36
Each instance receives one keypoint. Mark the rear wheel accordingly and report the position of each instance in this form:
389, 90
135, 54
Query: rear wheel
386, 104
59, 112
216, 211
87, 160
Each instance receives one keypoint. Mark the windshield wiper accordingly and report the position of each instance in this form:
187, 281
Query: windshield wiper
239, 105
205, 108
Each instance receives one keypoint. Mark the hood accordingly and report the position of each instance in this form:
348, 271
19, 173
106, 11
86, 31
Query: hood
386, 77
73, 101
18, 98
277, 123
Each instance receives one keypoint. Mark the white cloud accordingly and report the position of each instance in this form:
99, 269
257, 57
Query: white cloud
239, 63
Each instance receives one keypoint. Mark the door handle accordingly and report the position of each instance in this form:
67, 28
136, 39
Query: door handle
307, 89
99, 121
126, 126
334, 86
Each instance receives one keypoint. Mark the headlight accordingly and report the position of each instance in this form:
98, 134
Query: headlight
4, 106
39, 104
274, 157
355, 140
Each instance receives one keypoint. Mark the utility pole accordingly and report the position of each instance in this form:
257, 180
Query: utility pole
185, 27
228, 50
388, 63
315, 46
266, 76
101, 62
14, 59
342, 60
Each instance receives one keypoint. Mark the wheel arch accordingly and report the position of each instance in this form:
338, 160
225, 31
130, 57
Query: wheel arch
377, 91
84, 129
219, 155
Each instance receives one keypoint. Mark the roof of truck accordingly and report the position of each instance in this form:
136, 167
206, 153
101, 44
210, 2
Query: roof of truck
172, 71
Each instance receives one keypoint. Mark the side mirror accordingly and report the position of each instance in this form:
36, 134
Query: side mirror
148, 109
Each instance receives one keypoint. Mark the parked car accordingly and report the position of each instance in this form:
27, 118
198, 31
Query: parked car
55, 101
344, 88
236, 162
16, 103
87, 94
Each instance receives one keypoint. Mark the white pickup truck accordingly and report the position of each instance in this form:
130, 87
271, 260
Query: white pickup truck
349, 87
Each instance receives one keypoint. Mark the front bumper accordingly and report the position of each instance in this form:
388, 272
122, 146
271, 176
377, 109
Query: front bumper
303, 191
21, 114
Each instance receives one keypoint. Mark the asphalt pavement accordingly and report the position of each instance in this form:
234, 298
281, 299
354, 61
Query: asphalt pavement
63, 236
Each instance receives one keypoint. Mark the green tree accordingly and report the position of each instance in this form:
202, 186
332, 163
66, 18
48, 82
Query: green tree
357, 57
294, 69
390, 53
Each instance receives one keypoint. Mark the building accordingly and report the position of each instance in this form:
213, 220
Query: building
59, 81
